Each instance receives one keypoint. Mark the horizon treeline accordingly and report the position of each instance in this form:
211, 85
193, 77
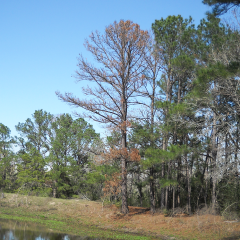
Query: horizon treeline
170, 99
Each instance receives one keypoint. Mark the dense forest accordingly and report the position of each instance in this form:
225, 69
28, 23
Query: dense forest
170, 100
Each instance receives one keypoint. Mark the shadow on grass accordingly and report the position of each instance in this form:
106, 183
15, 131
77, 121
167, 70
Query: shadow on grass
234, 236
137, 210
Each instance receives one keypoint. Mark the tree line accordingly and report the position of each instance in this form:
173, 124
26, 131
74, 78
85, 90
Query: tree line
170, 100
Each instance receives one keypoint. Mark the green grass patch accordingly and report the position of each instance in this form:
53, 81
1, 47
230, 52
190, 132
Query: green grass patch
67, 225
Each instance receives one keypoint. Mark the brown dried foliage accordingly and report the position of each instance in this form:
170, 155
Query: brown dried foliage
113, 186
114, 154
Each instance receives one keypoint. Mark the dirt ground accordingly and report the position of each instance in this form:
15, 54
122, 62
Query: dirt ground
139, 220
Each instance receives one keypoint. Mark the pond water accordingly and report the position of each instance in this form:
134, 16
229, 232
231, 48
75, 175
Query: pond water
14, 230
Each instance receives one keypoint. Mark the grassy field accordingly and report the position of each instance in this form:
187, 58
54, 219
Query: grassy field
87, 218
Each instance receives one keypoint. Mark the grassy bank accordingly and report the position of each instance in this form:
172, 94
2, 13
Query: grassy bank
86, 218
74, 217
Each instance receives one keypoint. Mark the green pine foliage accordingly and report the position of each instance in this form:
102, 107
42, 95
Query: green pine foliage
221, 6
7, 159
31, 174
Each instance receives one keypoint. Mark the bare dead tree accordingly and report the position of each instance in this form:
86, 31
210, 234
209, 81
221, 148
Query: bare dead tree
120, 51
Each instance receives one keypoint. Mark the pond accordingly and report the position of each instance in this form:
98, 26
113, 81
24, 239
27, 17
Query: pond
14, 230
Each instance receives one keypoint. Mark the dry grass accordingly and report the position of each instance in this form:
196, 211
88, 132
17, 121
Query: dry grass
203, 225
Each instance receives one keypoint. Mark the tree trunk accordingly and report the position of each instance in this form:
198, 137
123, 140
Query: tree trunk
162, 189
166, 197
189, 196
173, 205
188, 185
151, 177
124, 187
205, 193
140, 195
178, 197
213, 193
214, 158
152, 193
1, 194
124, 175
178, 180
54, 189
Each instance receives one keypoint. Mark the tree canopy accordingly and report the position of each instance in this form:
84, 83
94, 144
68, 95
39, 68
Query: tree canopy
221, 6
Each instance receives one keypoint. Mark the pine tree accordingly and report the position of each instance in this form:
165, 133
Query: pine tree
175, 39
120, 51
221, 6
7, 158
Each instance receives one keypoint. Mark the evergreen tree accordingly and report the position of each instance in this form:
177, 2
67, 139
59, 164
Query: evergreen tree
31, 178
221, 6
72, 143
7, 159
35, 132
175, 38
209, 99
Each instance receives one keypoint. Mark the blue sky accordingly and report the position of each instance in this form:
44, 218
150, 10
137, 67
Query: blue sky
40, 41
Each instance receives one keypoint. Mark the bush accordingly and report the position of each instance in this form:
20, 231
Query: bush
166, 212
118, 204
230, 213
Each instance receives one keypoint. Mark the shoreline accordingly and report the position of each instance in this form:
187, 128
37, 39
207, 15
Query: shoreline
82, 230
64, 225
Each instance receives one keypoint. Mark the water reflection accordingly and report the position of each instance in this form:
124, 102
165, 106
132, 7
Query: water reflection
13, 230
